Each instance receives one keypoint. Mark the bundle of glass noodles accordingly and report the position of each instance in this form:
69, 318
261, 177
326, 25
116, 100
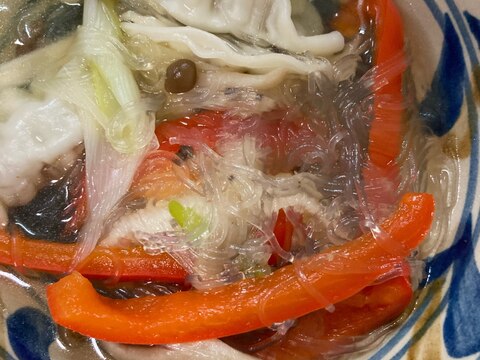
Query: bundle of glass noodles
199, 170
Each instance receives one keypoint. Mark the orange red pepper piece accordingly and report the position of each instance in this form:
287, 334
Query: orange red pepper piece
387, 128
103, 263
283, 231
329, 333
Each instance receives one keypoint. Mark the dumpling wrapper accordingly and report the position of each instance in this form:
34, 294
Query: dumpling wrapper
293, 25
35, 135
217, 50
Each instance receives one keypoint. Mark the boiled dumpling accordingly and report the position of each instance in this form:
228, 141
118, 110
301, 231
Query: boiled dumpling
291, 25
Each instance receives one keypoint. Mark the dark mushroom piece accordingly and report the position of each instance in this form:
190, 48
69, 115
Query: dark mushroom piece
181, 76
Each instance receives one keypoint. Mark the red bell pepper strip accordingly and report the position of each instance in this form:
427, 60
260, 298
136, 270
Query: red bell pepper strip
290, 292
324, 333
387, 128
203, 126
156, 177
282, 133
283, 231
103, 263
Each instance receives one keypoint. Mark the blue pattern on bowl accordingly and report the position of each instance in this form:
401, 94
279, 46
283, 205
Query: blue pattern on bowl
454, 302
474, 24
461, 324
30, 332
439, 115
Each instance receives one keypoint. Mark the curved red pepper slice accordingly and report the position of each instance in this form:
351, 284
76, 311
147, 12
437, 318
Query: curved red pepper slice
103, 263
283, 231
323, 332
387, 129
203, 126
290, 292
381, 173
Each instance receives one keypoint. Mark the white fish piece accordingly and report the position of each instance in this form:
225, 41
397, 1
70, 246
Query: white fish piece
154, 218
208, 349
11, 99
301, 203
36, 134
293, 25
205, 45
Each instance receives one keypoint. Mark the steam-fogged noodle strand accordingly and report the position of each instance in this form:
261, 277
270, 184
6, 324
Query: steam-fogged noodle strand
214, 171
